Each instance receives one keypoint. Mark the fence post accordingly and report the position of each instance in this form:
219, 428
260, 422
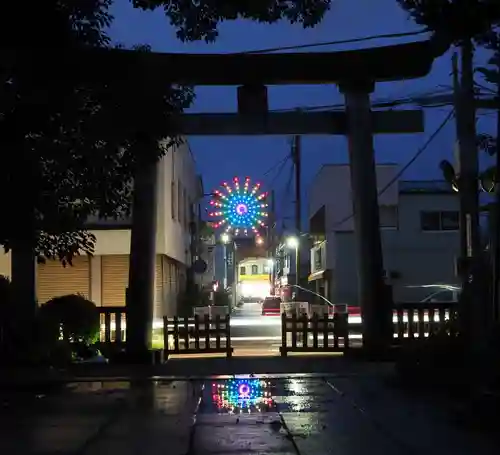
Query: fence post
165, 338
283, 349
229, 352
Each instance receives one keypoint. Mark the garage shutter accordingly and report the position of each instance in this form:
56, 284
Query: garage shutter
158, 308
114, 279
54, 280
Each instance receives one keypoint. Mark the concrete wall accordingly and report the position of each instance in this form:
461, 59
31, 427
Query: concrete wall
332, 188
421, 258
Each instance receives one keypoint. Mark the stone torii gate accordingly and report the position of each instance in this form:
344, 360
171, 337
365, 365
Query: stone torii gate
355, 72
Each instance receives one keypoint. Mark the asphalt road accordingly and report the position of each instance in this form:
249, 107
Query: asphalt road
250, 331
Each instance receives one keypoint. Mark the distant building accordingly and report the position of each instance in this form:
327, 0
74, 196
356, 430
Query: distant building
254, 278
104, 277
419, 222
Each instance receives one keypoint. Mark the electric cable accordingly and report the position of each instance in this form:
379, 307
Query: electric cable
407, 165
331, 43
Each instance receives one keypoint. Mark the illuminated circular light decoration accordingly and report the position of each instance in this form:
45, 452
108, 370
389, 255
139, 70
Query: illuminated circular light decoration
239, 208
242, 395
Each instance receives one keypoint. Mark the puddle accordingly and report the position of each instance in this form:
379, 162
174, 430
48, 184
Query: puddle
247, 395
238, 396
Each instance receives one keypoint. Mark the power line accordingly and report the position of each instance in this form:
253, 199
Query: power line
407, 165
332, 43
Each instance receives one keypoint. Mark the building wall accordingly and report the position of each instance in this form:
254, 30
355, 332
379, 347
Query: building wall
175, 170
419, 257
332, 188
261, 264
4, 263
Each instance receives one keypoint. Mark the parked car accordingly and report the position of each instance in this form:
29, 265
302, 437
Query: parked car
271, 306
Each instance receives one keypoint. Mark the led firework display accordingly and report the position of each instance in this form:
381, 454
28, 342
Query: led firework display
242, 395
239, 208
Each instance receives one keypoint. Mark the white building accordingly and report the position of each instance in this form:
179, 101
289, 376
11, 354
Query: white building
104, 277
419, 224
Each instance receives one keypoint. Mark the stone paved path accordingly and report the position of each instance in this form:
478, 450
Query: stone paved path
354, 415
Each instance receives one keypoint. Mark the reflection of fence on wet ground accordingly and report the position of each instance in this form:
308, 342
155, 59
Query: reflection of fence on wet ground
321, 333
197, 335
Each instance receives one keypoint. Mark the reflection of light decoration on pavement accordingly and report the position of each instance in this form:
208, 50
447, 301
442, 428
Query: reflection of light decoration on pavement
242, 395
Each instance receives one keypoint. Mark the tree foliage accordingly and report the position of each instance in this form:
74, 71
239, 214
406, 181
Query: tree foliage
199, 19
73, 135
455, 19
74, 128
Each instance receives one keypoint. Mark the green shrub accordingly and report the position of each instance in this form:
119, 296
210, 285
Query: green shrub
71, 318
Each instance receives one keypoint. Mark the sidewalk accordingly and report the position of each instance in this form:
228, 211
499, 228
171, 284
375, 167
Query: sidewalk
101, 418
338, 415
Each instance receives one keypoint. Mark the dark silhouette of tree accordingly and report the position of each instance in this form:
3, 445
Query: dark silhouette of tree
198, 19
456, 20
72, 131
72, 135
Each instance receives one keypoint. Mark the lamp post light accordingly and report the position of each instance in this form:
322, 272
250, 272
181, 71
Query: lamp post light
294, 243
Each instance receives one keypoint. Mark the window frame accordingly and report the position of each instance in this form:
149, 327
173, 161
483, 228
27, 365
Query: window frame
440, 214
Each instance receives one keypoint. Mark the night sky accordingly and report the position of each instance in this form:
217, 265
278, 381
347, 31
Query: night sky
222, 158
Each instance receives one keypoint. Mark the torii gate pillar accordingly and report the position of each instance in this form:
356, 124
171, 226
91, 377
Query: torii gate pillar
373, 297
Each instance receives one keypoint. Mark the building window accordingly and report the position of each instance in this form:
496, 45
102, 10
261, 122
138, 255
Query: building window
173, 199
243, 271
440, 221
255, 270
388, 215
267, 269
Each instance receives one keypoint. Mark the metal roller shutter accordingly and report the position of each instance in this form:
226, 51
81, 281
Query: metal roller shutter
54, 280
158, 308
114, 279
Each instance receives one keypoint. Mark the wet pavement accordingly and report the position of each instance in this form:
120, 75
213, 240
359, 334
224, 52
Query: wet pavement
246, 415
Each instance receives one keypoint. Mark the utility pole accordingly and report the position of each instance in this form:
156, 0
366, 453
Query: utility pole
296, 156
495, 240
271, 252
471, 308
457, 103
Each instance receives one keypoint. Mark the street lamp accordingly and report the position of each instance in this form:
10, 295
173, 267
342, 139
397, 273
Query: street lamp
225, 239
259, 240
294, 243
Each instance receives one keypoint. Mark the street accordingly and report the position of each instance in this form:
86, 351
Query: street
254, 334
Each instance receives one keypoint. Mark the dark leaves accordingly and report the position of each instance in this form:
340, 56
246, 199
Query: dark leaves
455, 19
199, 19
73, 126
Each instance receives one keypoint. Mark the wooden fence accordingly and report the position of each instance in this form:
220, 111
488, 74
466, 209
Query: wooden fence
418, 320
314, 333
197, 335
113, 322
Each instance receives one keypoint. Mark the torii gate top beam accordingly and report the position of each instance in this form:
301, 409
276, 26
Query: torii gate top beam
381, 64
